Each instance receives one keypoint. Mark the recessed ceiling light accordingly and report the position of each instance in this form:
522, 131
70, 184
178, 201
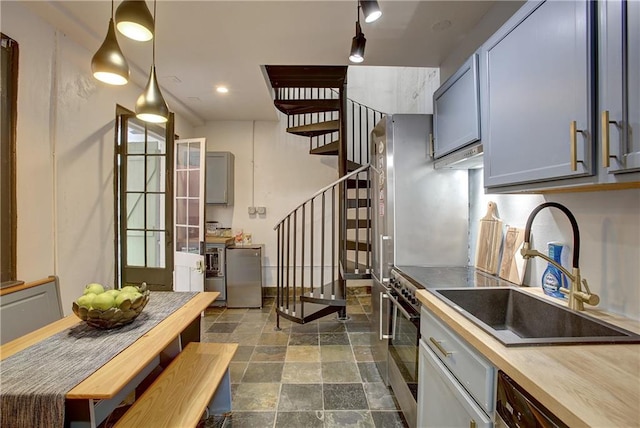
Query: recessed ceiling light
222, 89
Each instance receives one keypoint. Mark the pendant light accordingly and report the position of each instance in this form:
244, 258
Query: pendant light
134, 20
370, 10
109, 64
358, 43
151, 106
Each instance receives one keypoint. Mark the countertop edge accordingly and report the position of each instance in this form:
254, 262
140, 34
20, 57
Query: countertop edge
582, 384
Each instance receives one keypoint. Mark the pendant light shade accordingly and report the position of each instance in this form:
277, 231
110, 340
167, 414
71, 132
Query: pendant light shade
357, 45
370, 10
109, 64
151, 106
134, 20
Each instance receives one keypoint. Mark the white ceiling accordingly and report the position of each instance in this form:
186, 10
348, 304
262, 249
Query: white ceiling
202, 44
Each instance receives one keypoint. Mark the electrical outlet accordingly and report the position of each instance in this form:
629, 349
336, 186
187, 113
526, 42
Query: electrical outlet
252, 210
261, 210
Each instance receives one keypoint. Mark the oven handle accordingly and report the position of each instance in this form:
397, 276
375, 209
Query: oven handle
404, 312
383, 336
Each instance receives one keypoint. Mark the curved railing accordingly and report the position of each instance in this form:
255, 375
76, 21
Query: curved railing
308, 237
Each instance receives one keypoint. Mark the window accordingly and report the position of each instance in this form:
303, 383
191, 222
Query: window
8, 111
144, 201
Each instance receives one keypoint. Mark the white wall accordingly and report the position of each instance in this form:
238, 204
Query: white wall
65, 140
609, 224
397, 89
273, 169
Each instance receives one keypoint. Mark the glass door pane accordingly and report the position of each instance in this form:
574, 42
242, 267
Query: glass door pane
145, 209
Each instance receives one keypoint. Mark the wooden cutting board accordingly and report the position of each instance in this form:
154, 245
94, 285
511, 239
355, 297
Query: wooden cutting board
489, 240
513, 265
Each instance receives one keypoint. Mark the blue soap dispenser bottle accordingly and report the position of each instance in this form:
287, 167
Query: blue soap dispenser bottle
553, 278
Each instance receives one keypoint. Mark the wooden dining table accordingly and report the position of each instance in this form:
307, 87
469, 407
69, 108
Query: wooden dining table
92, 400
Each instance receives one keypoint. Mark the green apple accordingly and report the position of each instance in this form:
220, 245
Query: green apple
113, 293
129, 289
121, 298
86, 300
94, 288
102, 302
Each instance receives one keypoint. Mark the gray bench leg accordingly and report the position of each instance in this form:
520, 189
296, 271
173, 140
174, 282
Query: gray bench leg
221, 402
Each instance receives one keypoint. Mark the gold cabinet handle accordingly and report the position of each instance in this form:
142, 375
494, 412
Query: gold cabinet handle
574, 144
605, 138
604, 124
472, 424
439, 346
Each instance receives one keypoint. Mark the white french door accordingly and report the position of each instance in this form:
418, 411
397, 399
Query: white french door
190, 156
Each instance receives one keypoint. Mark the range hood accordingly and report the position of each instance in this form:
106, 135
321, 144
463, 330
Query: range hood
466, 158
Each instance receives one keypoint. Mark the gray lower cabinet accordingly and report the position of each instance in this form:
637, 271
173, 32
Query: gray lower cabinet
219, 170
456, 110
457, 385
619, 95
537, 95
443, 401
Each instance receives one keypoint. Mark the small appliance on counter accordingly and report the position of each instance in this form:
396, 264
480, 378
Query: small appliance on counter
216, 242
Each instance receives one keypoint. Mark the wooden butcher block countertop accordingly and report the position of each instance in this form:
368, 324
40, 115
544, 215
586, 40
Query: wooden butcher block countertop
584, 385
219, 240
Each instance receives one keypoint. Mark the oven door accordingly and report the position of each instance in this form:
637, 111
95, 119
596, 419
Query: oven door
404, 357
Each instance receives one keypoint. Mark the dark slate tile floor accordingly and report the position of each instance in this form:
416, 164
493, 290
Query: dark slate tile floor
319, 374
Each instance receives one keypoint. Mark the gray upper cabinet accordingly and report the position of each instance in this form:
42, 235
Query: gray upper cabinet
456, 110
619, 95
219, 178
537, 93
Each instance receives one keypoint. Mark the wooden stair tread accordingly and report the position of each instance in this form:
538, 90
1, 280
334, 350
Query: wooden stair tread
352, 166
358, 203
315, 129
353, 183
312, 311
322, 295
362, 223
327, 149
180, 395
351, 266
360, 246
306, 76
307, 106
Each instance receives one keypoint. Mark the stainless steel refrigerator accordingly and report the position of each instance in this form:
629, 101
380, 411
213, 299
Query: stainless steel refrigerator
244, 276
420, 214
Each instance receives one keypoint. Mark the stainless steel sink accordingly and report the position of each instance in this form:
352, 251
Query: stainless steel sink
516, 318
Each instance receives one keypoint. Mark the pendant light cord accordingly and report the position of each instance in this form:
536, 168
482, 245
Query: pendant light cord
155, 34
111, 9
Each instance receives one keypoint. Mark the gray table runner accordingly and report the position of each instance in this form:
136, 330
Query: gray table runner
34, 382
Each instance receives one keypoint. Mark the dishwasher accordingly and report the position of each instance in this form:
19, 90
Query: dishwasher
516, 408
244, 276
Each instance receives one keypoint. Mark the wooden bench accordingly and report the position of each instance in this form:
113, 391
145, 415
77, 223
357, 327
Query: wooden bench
197, 379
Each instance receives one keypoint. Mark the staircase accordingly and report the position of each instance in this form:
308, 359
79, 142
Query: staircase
326, 240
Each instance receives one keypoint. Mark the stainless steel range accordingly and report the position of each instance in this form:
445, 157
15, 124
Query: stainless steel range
404, 343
